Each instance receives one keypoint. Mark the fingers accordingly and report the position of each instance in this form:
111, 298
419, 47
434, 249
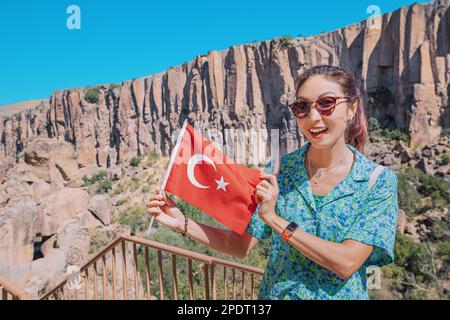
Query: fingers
271, 178
263, 195
265, 185
154, 211
155, 203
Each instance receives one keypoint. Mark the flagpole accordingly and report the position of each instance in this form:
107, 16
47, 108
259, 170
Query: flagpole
169, 168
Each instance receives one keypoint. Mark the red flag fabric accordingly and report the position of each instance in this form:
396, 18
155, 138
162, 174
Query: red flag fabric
202, 175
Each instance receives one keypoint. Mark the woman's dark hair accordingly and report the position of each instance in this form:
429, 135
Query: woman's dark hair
356, 131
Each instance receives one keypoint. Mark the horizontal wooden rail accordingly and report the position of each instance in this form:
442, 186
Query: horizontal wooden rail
9, 291
117, 265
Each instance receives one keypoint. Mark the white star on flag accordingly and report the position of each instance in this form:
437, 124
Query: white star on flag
221, 184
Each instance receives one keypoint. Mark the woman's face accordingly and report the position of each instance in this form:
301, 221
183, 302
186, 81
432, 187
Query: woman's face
312, 89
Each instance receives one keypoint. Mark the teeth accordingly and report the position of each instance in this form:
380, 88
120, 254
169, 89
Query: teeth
317, 130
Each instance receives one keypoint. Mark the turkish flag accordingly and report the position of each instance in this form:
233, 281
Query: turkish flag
202, 175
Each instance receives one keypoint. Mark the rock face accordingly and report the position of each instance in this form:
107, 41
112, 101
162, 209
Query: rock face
402, 61
45, 222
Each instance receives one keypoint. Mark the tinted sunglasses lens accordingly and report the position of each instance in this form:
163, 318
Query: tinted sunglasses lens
326, 105
300, 109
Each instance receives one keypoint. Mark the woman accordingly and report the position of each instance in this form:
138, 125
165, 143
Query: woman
326, 226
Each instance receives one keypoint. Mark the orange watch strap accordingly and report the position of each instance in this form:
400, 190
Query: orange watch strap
288, 231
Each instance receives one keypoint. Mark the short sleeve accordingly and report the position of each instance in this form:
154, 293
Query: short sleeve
377, 223
258, 228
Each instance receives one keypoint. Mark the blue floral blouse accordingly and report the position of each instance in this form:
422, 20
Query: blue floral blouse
347, 212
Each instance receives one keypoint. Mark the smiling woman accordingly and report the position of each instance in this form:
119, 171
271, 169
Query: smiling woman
328, 223
331, 212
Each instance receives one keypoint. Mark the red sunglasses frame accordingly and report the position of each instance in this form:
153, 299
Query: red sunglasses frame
324, 111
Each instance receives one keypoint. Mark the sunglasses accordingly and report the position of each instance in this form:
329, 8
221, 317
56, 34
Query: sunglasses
324, 105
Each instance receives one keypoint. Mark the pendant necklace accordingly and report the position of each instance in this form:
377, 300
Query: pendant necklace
318, 173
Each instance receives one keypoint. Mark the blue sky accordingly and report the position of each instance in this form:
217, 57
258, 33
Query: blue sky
121, 40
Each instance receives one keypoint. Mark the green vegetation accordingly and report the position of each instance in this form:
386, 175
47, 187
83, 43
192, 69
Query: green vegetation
440, 231
121, 202
135, 217
409, 255
414, 274
104, 184
153, 156
445, 132
118, 190
145, 188
391, 134
98, 240
133, 183
92, 95
285, 41
135, 161
414, 184
445, 159
444, 251
435, 187
101, 175
381, 96
408, 196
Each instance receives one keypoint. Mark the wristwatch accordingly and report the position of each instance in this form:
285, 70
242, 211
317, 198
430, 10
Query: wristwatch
288, 231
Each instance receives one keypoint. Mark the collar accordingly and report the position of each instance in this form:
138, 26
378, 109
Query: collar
360, 172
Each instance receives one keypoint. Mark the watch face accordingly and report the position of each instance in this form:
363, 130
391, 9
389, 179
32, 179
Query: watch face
292, 226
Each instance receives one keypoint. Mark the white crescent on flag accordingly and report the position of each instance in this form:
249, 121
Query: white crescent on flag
192, 162
196, 158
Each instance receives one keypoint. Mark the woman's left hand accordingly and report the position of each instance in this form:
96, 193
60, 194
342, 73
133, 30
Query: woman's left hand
267, 196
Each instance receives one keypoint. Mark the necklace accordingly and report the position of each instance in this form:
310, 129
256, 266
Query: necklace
318, 174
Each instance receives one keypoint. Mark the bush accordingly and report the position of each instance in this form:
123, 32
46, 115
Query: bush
392, 134
92, 95
104, 186
444, 251
145, 189
381, 96
135, 161
435, 187
94, 179
440, 230
408, 197
409, 255
445, 159
395, 134
98, 240
135, 217
121, 202
153, 155
120, 189
285, 42
432, 186
445, 132
374, 125
134, 184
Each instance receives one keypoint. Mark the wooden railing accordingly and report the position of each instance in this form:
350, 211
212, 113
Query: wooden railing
135, 268
9, 291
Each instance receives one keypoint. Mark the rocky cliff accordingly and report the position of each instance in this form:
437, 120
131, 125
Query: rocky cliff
66, 189
402, 61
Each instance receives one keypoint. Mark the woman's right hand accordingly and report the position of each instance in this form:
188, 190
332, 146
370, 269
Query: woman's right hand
166, 211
